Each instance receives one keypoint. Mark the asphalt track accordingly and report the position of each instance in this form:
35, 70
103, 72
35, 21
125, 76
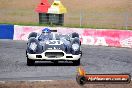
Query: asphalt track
95, 59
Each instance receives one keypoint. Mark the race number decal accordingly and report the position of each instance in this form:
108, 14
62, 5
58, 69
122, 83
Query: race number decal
54, 42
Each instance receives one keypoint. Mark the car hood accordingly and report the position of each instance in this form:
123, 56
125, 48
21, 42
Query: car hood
53, 45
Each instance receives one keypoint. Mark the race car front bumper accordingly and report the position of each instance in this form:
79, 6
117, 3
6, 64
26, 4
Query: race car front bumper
52, 55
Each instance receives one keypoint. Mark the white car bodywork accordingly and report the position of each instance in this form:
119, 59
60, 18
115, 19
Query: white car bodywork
53, 47
64, 57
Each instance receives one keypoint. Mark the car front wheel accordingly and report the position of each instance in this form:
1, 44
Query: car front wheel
30, 62
76, 62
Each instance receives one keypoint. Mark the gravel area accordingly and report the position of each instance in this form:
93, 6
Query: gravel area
58, 84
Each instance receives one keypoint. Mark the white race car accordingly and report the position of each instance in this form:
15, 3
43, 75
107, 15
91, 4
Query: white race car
54, 47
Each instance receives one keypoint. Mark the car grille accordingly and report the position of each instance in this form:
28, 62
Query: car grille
54, 54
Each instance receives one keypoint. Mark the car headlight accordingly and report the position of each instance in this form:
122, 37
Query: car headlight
75, 47
33, 46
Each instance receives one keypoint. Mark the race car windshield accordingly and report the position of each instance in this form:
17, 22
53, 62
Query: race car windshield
45, 36
45, 33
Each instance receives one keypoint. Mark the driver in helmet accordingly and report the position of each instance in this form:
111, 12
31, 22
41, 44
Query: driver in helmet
45, 34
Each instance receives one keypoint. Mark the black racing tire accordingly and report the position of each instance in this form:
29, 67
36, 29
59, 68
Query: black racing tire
30, 62
81, 53
74, 34
76, 62
33, 34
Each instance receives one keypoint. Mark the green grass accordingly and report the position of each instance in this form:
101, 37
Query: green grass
69, 25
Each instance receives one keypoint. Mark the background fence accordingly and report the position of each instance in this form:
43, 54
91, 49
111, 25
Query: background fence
100, 20
81, 13
93, 20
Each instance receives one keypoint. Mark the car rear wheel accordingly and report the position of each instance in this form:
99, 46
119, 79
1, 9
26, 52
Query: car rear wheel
76, 62
30, 62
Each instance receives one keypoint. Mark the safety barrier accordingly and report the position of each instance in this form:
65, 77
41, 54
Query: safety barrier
104, 37
6, 31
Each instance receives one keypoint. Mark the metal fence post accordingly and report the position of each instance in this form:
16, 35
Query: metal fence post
81, 17
126, 21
